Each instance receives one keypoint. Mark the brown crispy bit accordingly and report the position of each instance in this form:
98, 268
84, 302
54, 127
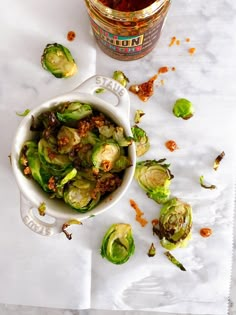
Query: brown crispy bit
106, 165
83, 127
163, 70
52, 183
63, 141
27, 170
67, 234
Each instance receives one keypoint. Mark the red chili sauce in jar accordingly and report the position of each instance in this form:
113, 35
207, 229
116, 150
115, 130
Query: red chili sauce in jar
127, 5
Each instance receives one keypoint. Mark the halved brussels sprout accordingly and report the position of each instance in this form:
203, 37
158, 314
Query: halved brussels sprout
29, 158
105, 154
141, 140
79, 194
175, 224
74, 111
155, 178
118, 243
67, 138
58, 60
183, 108
121, 164
120, 138
56, 163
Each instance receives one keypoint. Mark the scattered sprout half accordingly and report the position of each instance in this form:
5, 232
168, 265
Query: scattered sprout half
183, 108
118, 243
141, 140
175, 224
155, 178
58, 60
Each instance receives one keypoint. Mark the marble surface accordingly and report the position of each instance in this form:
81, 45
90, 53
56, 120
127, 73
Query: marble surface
209, 74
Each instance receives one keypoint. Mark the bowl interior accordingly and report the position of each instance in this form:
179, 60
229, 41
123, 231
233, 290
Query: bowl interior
33, 192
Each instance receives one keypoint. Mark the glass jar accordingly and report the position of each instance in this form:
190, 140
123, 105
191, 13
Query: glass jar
127, 35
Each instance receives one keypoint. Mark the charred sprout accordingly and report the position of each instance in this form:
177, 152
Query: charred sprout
78, 154
152, 251
175, 223
206, 186
141, 140
174, 261
58, 60
120, 77
183, 108
118, 243
154, 177
218, 160
138, 115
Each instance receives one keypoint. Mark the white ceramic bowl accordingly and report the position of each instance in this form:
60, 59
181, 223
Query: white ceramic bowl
32, 195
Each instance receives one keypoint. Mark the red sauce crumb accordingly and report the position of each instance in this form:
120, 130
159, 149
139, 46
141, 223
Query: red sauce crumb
172, 42
171, 145
145, 90
173, 68
205, 232
155, 222
139, 213
71, 36
187, 39
163, 70
192, 51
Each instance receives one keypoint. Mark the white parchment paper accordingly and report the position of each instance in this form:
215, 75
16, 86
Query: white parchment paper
55, 272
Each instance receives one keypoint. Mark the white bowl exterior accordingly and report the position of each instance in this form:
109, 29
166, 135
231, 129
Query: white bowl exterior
32, 191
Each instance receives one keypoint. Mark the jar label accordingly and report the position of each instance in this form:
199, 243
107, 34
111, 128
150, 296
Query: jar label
127, 45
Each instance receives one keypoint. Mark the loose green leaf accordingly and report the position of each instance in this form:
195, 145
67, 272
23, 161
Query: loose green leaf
42, 209
120, 77
201, 179
152, 251
174, 261
138, 115
218, 160
24, 113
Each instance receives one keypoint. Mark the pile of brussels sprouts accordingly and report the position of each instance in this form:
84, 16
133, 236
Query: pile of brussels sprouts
78, 154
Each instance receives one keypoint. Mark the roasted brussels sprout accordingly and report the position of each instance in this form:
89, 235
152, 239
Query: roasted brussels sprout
105, 154
31, 165
183, 108
53, 161
119, 137
67, 138
175, 224
79, 194
155, 178
74, 112
58, 60
118, 243
141, 140
120, 77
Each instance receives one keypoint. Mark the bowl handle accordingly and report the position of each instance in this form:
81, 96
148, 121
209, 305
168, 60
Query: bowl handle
98, 81
36, 224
